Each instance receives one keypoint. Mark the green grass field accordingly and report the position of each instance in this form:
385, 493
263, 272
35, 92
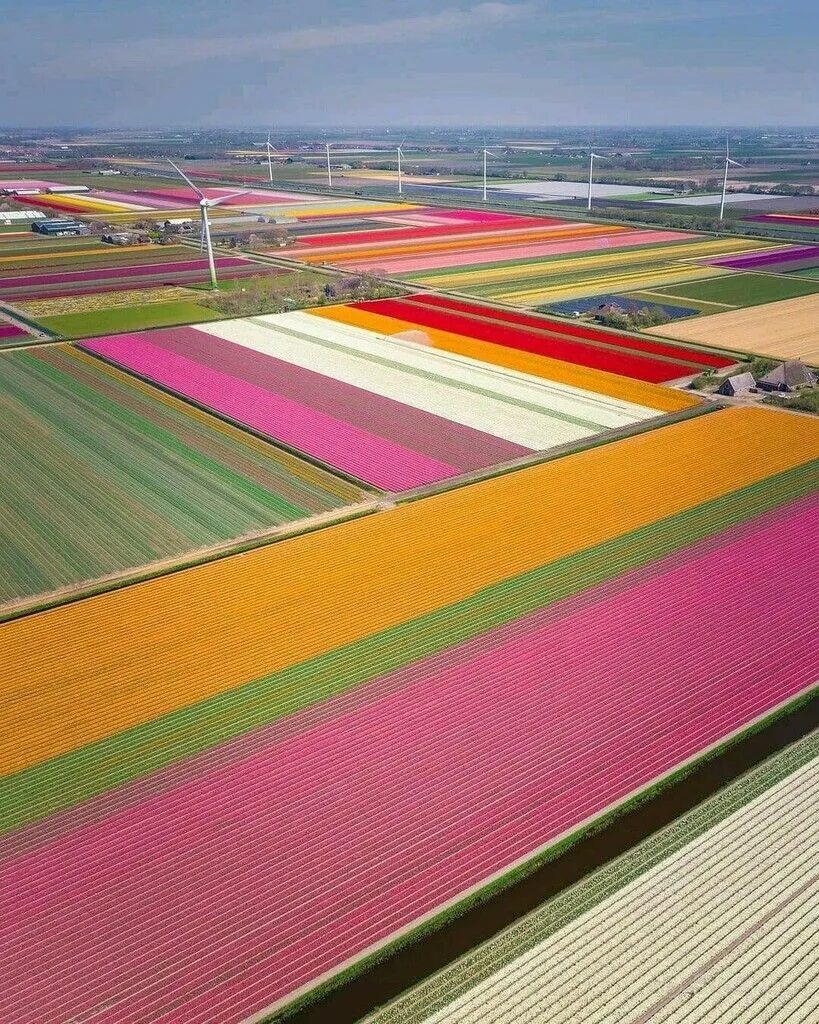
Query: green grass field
127, 318
742, 288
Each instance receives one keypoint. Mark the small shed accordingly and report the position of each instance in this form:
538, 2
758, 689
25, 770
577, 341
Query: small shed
787, 376
739, 384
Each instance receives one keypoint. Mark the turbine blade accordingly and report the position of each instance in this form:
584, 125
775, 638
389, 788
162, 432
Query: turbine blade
230, 195
184, 176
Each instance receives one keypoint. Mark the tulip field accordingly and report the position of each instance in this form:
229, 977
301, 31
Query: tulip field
321, 628
11, 334
498, 352
152, 202
546, 262
778, 261
744, 858
101, 475
583, 345
381, 409
79, 286
239, 779
94, 268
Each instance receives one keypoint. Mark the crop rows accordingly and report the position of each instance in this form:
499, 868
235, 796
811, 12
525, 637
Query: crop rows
534, 364
799, 257
723, 929
641, 358
102, 474
384, 410
461, 977
278, 701
200, 901
318, 606
72, 282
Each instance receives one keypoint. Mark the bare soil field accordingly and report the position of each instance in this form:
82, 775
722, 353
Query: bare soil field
783, 330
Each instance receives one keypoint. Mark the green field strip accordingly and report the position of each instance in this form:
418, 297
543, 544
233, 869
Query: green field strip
811, 273
72, 778
528, 292
447, 985
117, 319
656, 296
100, 476
744, 288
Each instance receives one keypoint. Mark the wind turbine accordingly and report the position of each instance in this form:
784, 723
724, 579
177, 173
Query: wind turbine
204, 205
329, 171
592, 157
400, 181
269, 158
732, 163
486, 151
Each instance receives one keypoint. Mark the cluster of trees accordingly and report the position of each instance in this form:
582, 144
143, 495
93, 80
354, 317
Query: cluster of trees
710, 381
633, 319
298, 290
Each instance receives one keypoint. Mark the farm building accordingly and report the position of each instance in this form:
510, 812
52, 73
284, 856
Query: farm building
739, 384
60, 226
13, 216
787, 376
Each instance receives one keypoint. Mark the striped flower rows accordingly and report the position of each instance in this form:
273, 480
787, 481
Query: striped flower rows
749, 950
19, 287
563, 910
100, 474
614, 353
524, 261
384, 410
235, 797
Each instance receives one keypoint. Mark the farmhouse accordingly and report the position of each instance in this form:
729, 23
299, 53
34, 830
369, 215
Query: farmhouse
739, 384
787, 376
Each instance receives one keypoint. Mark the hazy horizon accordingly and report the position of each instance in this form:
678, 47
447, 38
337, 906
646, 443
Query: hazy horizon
320, 64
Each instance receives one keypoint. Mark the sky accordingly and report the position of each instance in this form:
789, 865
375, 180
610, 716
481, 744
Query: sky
226, 63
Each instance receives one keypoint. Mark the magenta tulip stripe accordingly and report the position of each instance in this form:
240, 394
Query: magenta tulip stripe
359, 453
113, 273
218, 892
451, 444
11, 334
394, 416
798, 257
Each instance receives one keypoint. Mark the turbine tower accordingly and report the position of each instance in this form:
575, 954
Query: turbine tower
728, 163
329, 171
205, 204
400, 180
592, 157
486, 152
269, 159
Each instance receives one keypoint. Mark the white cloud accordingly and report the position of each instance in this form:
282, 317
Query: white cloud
153, 53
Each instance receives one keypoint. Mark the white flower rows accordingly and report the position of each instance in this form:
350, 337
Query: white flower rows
526, 410
726, 929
